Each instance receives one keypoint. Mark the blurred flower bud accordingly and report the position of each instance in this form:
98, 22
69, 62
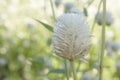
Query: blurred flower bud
109, 18
57, 2
48, 63
76, 11
30, 24
26, 43
115, 46
112, 46
3, 62
71, 37
87, 76
68, 6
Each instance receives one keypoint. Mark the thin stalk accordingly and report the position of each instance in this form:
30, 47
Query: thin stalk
53, 11
78, 66
66, 69
93, 25
73, 70
103, 41
65, 62
90, 2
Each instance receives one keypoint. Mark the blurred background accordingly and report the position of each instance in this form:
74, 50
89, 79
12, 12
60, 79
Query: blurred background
25, 45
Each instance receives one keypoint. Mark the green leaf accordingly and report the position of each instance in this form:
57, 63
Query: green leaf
47, 26
57, 71
85, 11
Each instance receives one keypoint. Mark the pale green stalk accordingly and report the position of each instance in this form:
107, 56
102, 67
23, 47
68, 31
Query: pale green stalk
53, 11
103, 42
93, 25
73, 70
66, 69
65, 61
90, 2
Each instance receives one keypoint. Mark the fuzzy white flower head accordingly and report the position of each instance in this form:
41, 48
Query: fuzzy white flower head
68, 6
109, 18
71, 37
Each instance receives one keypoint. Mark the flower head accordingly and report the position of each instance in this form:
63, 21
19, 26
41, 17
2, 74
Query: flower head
109, 18
71, 38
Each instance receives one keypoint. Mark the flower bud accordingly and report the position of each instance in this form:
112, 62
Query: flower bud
87, 76
71, 37
3, 62
68, 6
57, 2
109, 18
111, 47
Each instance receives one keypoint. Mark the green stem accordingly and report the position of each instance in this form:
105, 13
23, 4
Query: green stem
78, 66
66, 69
53, 11
90, 2
73, 70
103, 41
93, 25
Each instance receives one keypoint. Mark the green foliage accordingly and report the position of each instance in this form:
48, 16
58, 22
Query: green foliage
38, 63
56, 71
47, 26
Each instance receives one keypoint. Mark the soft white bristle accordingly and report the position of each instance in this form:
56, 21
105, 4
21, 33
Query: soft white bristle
71, 38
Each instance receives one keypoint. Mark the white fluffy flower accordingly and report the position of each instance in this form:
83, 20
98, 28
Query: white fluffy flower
68, 6
71, 38
109, 18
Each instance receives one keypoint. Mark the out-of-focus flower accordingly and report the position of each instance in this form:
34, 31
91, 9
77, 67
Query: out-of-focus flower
112, 46
48, 63
68, 6
87, 76
109, 18
57, 2
21, 58
71, 37
30, 24
26, 43
3, 62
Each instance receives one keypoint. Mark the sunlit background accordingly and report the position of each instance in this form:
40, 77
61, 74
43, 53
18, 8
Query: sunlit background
25, 45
